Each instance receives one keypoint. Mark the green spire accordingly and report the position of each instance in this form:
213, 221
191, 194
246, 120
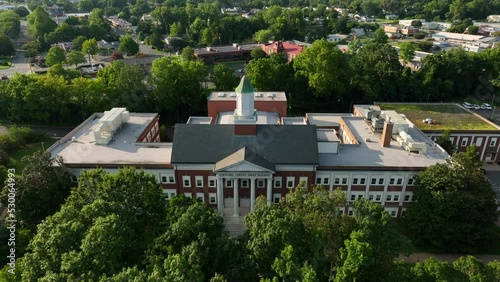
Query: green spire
245, 86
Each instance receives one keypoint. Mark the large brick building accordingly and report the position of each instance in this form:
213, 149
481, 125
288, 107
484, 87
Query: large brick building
247, 147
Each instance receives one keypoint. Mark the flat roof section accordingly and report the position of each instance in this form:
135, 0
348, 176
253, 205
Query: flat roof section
293, 121
224, 49
199, 120
258, 96
444, 116
325, 119
122, 150
262, 118
327, 135
370, 153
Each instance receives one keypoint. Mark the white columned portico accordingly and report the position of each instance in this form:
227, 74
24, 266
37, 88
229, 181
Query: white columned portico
220, 195
269, 190
252, 194
236, 198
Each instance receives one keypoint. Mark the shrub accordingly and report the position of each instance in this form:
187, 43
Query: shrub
18, 136
419, 35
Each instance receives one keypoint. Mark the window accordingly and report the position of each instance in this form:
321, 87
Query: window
277, 182
326, 180
186, 180
229, 183
336, 181
464, 141
244, 183
74, 178
362, 181
167, 178
354, 181
374, 181
380, 181
493, 142
360, 197
389, 198
290, 182
370, 197
403, 211
200, 197
400, 181
188, 195
377, 198
212, 198
350, 212
407, 197
169, 193
303, 179
391, 181
396, 198
393, 213
260, 183
411, 180
212, 181
199, 181
318, 180
479, 141
344, 181
353, 197
276, 198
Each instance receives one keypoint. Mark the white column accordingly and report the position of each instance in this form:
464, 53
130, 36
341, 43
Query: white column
236, 199
269, 190
220, 195
252, 194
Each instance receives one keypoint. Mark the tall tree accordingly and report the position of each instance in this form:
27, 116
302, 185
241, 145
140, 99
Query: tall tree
6, 46
10, 24
39, 23
224, 78
128, 45
326, 68
406, 52
75, 58
41, 190
89, 46
56, 55
379, 36
456, 205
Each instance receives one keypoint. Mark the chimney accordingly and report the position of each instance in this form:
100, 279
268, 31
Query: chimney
387, 134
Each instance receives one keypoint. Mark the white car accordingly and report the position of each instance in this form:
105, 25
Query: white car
487, 106
467, 105
476, 107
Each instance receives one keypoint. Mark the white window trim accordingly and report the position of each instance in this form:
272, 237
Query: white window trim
479, 141
493, 142
278, 180
292, 179
464, 141
200, 179
230, 181
303, 178
214, 195
210, 178
247, 181
184, 178
200, 195
188, 195
168, 193
276, 196
260, 181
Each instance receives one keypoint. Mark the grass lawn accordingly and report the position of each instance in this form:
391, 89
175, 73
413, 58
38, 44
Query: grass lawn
8, 60
16, 156
445, 117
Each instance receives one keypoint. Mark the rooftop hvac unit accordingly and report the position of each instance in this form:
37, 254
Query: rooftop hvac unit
221, 95
259, 95
271, 95
109, 123
233, 94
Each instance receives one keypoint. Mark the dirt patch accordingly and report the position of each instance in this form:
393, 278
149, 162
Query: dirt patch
3, 129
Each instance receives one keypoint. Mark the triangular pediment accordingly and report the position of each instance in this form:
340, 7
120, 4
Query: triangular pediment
244, 159
245, 166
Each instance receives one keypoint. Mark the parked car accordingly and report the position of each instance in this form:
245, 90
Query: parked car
476, 107
467, 105
487, 106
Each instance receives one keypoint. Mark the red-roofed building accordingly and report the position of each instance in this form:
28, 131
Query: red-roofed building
291, 50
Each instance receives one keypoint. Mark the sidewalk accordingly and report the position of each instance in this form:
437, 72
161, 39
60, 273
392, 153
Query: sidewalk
416, 257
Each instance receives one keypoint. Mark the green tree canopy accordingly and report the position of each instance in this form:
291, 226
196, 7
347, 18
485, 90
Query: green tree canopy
10, 24
224, 78
89, 46
56, 55
6, 46
379, 36
75, 58
456, 205
128, 45
326, 68
39, 23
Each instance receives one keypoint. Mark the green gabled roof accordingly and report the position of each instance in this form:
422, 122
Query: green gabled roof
245, 86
